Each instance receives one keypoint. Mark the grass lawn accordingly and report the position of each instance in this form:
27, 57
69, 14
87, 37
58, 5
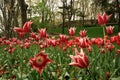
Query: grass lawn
91, 31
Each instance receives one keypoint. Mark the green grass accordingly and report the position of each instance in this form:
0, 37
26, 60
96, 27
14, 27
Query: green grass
91, 31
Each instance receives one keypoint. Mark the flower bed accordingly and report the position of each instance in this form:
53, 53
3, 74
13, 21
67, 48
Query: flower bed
64, 57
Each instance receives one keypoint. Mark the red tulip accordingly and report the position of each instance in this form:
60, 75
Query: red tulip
27, 26
99, 41
14, 39
80, 59
43, 33
103, 19
110, 30
84, 42
113, 39
83, 33
109, 46
27, 45
33, 35
22, 34
72, 31
7, 42
51, 42
93, 40
118, 39
18, 29
40, 61
63, 38
25, 29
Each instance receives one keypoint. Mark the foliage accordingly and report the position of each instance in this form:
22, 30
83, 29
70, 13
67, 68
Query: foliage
18, 61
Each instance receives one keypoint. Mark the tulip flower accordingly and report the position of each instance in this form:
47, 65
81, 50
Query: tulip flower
27, 45
25, 29
33, 35
103, 19
72, 31
80, 59
118, 39
83, 33
27, 26
113, 39
43, 33
110, 30
110, 46
40, 61
63, 38
84, 42
99, 41
20, 31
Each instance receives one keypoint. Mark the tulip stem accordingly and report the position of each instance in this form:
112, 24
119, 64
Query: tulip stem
104, 33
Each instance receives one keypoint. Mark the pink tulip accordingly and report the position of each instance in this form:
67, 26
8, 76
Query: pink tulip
27, 26
110, 46
99, 42
33, 35
110, 30
80, 59
27, 45
72, 31
63, 38
103, 19
43, 33
83, 33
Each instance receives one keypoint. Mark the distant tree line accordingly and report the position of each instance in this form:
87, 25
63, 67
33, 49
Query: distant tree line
15, 11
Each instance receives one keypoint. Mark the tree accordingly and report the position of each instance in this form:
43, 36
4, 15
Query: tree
23, 8
9, 9
63, 13
83, 9
70, 11
118, 10
45, 10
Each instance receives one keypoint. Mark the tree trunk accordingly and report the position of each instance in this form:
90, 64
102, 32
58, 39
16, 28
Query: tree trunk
23, 7
63, 17
118, 10
9, 11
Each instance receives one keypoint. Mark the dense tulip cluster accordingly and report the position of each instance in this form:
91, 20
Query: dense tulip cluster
81, 43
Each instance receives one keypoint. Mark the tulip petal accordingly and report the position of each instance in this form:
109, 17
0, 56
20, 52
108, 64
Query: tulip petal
74, 64
18, 29
100, 20
27, 26
104, 17
40, 71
